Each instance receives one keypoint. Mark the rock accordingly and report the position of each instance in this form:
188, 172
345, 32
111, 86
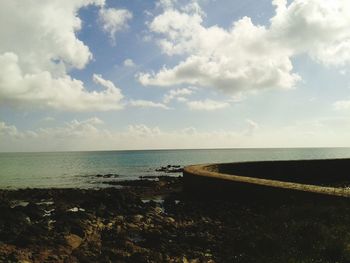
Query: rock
132, 226
148, 177
158, 210
169, 220
119, 229
76, 209
119, 219
130, 246
170, 169
162, 169
104, 225
138, 218
73, 240
107, 175
54, 258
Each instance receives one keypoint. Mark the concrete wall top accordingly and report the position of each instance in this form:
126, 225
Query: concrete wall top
279, 174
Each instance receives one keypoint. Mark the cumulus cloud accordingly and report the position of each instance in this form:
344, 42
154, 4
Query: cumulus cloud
252, 127
142, 130
48, 119
147, 104
181, 95
90, 134
9, 130
177, 93
39, 47
114, 20
75, 129
241, 58
342, 105
67, 134
207, 105
129, 63
319, 28
247, 57
166, 3
109, 85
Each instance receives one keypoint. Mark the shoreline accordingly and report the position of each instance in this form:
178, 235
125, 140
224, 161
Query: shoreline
155, 221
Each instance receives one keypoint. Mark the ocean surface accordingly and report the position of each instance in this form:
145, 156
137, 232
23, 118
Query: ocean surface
79, 169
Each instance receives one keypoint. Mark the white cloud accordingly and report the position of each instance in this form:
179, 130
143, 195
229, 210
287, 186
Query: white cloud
342, 105
189, 6
42, 89
114, 20
193, 7
107, 84
90, 135
142, 130
247, 57
320, 28
177, 93
129, 63
241, 58
38, 48
9, 130
72, 130
166, 3
147, 104
252, 127
181, 99
207, 105
48, 119
77, 128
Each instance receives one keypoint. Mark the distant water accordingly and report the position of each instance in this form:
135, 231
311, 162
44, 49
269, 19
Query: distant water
79, 169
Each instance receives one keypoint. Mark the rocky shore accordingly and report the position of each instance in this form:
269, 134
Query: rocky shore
152, 220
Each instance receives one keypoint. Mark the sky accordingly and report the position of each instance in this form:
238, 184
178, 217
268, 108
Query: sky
174, 74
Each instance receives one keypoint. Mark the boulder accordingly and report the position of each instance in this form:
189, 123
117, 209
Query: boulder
73, 240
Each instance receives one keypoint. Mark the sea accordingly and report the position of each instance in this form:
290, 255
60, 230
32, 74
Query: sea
96, 169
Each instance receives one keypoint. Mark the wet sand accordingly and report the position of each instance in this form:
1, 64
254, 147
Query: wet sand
153, 220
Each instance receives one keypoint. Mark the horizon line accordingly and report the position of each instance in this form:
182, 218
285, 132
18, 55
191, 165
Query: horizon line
181, 149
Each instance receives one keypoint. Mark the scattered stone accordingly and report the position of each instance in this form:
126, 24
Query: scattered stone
73, 240
76, 209
170, 169
169, 220
156, 222
107, 175
132, 226
119, 218
137, 218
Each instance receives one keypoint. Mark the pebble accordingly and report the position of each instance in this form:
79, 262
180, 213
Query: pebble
132, 226
138, 218
169, 220
73, 240
119, 218
158, 210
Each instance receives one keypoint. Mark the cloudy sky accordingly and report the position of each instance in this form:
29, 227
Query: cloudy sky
135, 74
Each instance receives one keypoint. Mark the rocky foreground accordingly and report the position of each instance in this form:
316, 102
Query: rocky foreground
154, 221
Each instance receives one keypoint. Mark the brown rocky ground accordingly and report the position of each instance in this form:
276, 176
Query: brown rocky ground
154, 221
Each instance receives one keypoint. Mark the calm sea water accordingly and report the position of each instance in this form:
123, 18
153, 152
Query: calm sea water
79, 169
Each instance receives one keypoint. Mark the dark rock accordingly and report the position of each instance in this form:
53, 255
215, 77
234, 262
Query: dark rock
170, 169
107, 175
114, 225
73, 240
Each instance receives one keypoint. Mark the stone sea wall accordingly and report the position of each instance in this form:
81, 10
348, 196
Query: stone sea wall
271, 179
